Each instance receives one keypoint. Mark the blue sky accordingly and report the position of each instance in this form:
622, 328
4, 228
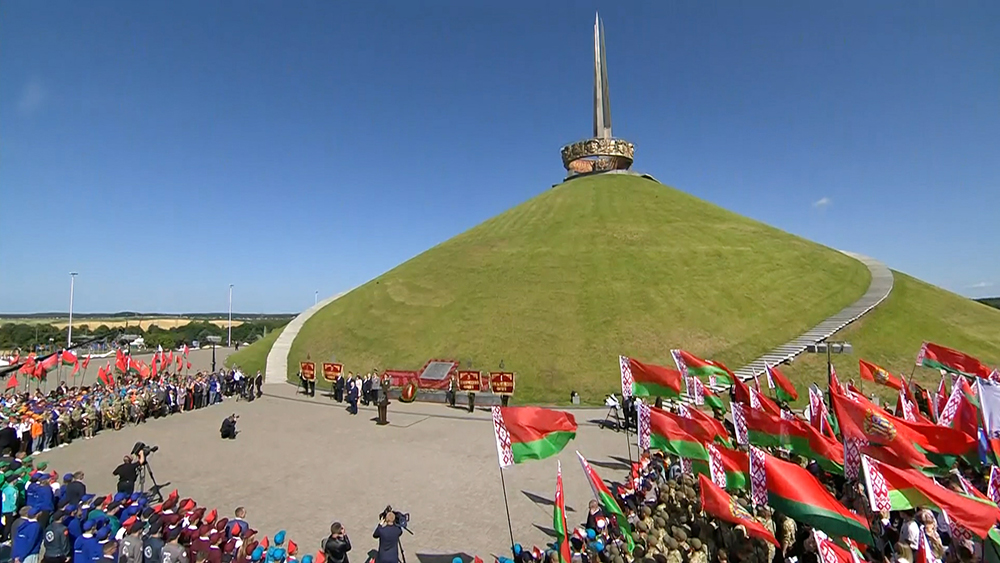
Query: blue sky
167, 149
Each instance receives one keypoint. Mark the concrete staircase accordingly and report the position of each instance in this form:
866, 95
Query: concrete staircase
276, 367
878, 290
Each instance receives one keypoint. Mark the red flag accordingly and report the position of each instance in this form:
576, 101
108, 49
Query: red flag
559, 519
76, 369
121, 363
718, 503
12, 382
938, 357
876, 374
104, 376
186, 349
86, 361
68, 358
870, 424
180, 363
189, 365
28, 367
152, 367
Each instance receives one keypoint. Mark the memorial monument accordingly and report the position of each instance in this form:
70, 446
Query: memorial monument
602, 152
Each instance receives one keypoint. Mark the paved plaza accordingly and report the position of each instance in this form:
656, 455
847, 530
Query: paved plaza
301, 463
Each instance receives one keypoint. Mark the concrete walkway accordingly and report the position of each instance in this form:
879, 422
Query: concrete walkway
276, 368
878, 290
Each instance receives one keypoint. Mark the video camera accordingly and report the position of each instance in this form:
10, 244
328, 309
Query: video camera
142, 447
402, 518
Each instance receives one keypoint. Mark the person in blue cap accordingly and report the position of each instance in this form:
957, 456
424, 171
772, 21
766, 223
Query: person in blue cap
87, 549
27, 539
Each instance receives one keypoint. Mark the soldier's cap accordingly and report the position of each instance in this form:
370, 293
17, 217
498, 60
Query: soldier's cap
88, 525
102, 534
43, 466
68, 477
119, 497
695, 544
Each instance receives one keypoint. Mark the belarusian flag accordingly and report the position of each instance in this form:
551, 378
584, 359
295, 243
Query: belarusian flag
650, 380
559, 518
68, 358
712, 429
903, 489
693, 366
105, 377
829, 552
50, 362
121, 362
962, 409
794, 492
876, 374
733, 464
525, 433
86, 362
753, 398
783, 388
607, 500
186, 349
767, 430
672, 434
938, 357
712, 399
718, 503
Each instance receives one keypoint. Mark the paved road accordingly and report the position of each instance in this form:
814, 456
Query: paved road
302, 463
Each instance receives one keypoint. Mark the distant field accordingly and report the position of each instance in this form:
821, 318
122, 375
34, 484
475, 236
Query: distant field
144, 323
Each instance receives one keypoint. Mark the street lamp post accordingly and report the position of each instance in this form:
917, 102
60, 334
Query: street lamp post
828, 348
69, 332
229, 339
214, 340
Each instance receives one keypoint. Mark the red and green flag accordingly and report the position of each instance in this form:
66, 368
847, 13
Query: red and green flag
693, 366
876, 374
712, 399
607, 500
50, 362
783, 388
649, 380
526, 433
718, 503
86, 362
559, 519
712, 428
895, 488
68, 358
935, 356
751, 397
672, 434
724, 463
767, 430
794, 492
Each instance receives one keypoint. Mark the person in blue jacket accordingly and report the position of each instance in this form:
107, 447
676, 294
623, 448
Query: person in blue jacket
27, 539
45, 498
87, 548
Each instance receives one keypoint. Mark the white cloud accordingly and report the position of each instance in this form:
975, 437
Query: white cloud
32, 97
822, 202
981, 285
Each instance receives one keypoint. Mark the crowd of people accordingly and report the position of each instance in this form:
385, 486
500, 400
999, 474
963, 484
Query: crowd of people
57, 520
39, 420
661, 500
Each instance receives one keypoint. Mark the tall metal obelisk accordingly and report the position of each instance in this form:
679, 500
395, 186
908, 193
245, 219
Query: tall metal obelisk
602, 152
602, 102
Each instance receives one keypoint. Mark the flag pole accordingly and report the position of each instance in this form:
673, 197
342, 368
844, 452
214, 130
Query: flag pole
507, 508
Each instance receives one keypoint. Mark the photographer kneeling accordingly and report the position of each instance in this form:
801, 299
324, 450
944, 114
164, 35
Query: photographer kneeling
388, 533
128, 472
228, 430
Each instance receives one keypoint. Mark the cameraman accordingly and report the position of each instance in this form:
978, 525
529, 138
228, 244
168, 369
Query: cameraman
228, 430
388, 533
128, 472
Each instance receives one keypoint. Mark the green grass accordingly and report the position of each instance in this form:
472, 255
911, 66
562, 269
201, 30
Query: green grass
890, 336
254, 357
561, 285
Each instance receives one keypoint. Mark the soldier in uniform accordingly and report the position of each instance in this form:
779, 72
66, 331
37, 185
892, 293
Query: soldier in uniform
383, 401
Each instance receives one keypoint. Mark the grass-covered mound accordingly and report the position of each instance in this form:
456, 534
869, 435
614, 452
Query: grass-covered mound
254, 357
562, 284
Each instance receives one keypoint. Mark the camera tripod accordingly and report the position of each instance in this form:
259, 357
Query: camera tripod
154, 491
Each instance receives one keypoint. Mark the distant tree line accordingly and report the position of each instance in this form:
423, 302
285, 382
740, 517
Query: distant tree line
991, 301
43, 337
